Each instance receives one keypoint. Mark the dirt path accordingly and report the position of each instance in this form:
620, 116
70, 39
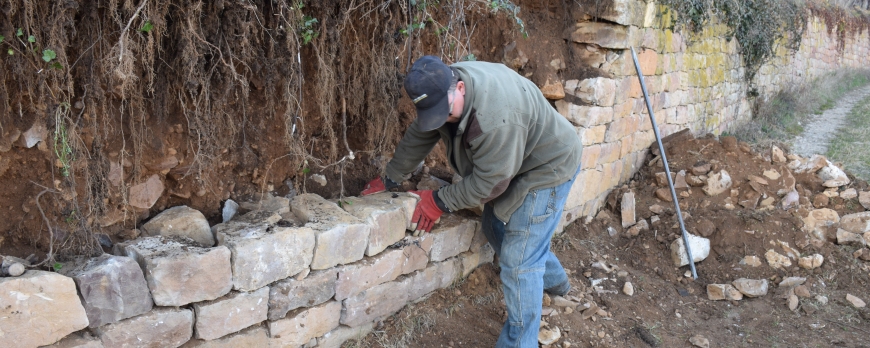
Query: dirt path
821, 129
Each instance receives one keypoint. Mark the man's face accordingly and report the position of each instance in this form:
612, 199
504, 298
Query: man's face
457, 102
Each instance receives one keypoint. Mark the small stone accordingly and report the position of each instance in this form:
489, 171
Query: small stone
640, 226
751, 287
15, 269
680, 180
767, 202
718, 183
706, 227
628, 209
547, 300
793, 302
817, 222
144, 195
790, 282
628, 289
864, 199
845, 237
701, 169
771, 174
716, 292
699, 246
776, 155
811, 262
664, 194
802, 291
776, 260
856, 223
601, 334
549, 336
654, 220
849, 193
856, 302
700, 341
230, 209
319, 178
662, 179
752, 261
656, 209
696, 180
822, 300
791, 200
833, 176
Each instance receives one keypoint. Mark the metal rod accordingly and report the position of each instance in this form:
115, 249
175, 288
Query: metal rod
655, 128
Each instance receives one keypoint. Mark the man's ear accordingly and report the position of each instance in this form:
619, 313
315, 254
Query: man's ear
460, 86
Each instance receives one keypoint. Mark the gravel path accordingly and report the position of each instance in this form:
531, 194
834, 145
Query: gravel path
822, 128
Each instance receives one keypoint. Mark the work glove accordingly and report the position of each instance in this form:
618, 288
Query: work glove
426, 212
378, 185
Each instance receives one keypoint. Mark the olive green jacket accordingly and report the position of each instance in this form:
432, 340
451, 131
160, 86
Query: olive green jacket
509, 141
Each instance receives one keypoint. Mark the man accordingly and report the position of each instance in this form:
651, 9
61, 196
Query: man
517, 156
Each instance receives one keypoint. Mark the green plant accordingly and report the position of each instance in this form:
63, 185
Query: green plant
146, 28
306, 30
512, 10
62, 145
57, 266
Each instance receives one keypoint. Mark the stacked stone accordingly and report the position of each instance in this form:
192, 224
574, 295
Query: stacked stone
694, 82
291, 273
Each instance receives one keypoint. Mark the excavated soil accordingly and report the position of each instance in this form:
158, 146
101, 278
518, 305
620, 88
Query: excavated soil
668, 307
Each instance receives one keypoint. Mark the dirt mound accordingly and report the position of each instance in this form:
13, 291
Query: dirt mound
667, 306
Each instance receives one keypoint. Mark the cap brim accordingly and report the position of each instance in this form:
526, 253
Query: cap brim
434, 117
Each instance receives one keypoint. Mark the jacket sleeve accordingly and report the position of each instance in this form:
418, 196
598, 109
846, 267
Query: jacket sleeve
412, 149
497, 157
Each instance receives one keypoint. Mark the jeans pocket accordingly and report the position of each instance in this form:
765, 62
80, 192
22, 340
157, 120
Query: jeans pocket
545, 207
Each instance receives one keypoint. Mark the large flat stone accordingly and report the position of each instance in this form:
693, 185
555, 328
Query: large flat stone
178, 272
387, 216
231, 313
263, 254
253, 337
451, 237
287, 295
438, 275
112, 288
625, 12
305, 325
335, 338
606, 35
340, 238
39, 308
162, 327
378, 302
144, 195
856, 223
180, 221
356, 277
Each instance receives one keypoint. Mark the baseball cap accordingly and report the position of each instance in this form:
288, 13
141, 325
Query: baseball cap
427, 84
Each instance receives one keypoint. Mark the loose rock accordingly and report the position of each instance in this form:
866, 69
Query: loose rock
820, 200
833, 176
793, 302
549, 336
776, 155
180, 221
864, 199
628, 289
640, 226
856, 223
845, 237
718, 183
664, 194
771, 174
716, 292
751, 287
628, 209
699, 341
817, 222
752, 261
802, 291
849, 193
706, 227
811, 262
790, 282
856, 302
700, 247
776, 260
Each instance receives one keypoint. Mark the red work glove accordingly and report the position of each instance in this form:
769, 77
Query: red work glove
426, 213
374, 186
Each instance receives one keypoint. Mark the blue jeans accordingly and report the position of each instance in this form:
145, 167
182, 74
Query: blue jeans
527, 264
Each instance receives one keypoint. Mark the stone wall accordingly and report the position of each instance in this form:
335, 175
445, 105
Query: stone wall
695, 81
286, 273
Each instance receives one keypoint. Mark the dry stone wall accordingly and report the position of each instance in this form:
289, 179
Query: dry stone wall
694, 80
288, 273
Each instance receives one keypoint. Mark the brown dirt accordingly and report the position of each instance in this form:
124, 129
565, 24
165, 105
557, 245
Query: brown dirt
668, 307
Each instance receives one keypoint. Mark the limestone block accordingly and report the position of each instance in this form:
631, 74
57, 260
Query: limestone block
472, 259
776, 260
178, 272
378, 302
340, 238
553, 90
162, 327
606, 35
845, 237
625, 12
856, 223
301, 328
76, 340
716, 292
583, 115
267, 203
648, 60
628, 210
438, 275
335, 338
833, 176
231, 313
387, 216
451, 237
811, 262
700, 247
144, 195
718, 183
817, 222
590, 55
39, 308
598, 91
287, 295
356, 277
263, 254
253, 337
416, 252
180, 221
751, 287
112, 288
864, 199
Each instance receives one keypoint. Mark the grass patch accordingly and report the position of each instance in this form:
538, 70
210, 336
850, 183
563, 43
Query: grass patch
852, 146
781, 118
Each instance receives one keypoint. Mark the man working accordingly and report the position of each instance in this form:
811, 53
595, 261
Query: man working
517, 156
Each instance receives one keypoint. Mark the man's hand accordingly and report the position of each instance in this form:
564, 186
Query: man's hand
426, 213
378, 185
